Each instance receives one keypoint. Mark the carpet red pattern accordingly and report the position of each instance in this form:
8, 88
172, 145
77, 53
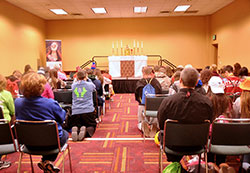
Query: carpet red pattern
106, 155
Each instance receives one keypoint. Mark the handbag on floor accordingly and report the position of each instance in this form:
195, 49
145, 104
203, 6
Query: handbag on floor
173, 167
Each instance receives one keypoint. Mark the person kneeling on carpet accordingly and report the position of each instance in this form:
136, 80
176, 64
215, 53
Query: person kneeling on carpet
83, 112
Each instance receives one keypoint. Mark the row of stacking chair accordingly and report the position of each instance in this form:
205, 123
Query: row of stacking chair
231, 137
41, 135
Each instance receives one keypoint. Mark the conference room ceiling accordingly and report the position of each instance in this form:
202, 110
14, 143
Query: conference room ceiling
81, 9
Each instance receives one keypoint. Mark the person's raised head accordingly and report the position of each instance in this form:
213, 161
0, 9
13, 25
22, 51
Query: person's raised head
147, 72
156, 68
162, 70
32, 84
228, 69
27, 69
106, 71
53, 73
244, 71
179, 68
245, 98
17, 74
3, 82
216, 85
213, 67
237, 68
176, 76
189, 77
81, 75
89, 71
205, 76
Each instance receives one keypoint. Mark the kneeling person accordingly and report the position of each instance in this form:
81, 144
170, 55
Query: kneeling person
83, 111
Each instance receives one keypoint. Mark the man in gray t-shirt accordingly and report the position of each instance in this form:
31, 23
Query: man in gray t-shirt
83, 110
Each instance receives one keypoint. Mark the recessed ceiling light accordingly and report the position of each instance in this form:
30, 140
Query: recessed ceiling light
58, 11
99, 10
181, 8
140, 9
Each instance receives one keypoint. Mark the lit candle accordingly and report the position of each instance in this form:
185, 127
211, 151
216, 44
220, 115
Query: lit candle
141, 44
117, 45
134, 43
113, 45
121, 43
137, 44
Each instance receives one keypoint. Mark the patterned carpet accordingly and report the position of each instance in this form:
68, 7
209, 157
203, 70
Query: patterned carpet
106, 151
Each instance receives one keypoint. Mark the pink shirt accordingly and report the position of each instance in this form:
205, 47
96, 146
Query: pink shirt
47, 93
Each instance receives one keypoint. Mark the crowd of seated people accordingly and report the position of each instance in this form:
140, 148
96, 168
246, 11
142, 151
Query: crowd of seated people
30, 96
225, 93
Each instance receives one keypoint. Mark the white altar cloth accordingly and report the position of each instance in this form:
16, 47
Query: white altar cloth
115, 65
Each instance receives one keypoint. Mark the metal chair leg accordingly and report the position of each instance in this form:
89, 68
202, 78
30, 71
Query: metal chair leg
104, 108
70, 164
31, 162
160, 160
206, 162
63, 161
20, 162
199, 166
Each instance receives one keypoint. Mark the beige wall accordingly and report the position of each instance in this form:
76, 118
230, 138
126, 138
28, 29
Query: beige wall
21, 39
232, 27
181, 40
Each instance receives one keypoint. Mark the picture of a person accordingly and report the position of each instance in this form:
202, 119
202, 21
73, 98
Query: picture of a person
54, 52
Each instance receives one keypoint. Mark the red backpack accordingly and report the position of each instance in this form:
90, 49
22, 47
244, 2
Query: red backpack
12, 87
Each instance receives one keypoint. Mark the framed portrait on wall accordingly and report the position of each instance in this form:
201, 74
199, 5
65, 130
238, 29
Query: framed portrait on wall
53, 53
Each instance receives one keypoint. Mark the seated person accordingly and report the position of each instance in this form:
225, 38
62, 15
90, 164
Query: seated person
221, 109
7, 110
34, 107
47, 92
148, 77
83, 111
186, 106
232, 83
6, 100
164, 80
54, 81
98, 86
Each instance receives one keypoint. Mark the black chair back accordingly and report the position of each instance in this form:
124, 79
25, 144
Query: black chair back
6, 136
153, 103
185, 135
1, 113
37, 133
231, 133
106, 87
95, 100
64, 96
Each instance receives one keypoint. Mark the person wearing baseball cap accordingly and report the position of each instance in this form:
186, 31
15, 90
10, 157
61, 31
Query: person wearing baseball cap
241, 105
221, 104
242, 110
216, 85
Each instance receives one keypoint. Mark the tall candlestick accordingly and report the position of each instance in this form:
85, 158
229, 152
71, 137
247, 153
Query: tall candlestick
121, 43
134, 43
113, 48
137, 44
142, 44
117, 52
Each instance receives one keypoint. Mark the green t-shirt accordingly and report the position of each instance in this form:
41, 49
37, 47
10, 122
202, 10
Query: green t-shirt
7, 104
